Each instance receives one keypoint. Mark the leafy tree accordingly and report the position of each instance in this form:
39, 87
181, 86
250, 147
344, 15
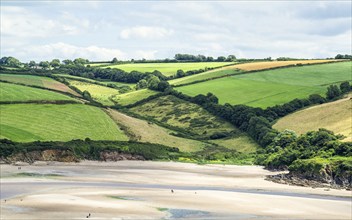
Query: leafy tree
221, 59
68, 62
32, 64
180, 73
163, 85
153, 82
316, 99
55, 63
114, 60
44, 64
231, 58
142, 84
86, 95
80, 61
345, 87
333, 92
10, 61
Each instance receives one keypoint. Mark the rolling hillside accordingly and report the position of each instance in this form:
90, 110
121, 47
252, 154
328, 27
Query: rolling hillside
271, 87
168, 69
32, 122
44, 82
13, 92
335, 116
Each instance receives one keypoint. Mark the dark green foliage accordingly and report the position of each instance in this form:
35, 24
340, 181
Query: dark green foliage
345, 87
316, 99
333, 92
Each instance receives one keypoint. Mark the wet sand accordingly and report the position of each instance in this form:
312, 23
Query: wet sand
142, 190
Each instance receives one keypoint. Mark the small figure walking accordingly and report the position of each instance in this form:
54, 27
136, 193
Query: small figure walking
172, 191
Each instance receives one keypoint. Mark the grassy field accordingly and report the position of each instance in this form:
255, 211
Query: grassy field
40, 81
66, 76
176, 112
31, 122
335, 116
271, 87
99, 93
152, 133
273, 64
12, 92
202, 76
241, 143
134, 96
168, 69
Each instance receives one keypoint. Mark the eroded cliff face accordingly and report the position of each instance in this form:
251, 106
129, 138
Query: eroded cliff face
324, 178
45, 155
66, 156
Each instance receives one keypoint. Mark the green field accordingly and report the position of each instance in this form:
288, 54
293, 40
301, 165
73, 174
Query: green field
39, 81
119, 84
268, 88
12, 92
99, 93
31, 122
241, 143
144, 131
168, 69
202, 76
178, 113
134, 96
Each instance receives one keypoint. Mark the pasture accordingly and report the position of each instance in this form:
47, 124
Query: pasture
178, 113
99, 93
273, 64
118, 84
133, 97
335, 116
39, 81
271, 87
241, 143
32, 122
13, 92
143, 131
168, 69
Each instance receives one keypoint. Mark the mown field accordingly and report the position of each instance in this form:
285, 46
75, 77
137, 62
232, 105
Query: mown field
271, 87
335, 116
178, 113
39, 81
144, 131
241, 143
31, 122
273, 64
134, 96
99, 93
168, 69
12, 92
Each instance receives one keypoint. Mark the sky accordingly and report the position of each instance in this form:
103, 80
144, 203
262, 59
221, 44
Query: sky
102, 30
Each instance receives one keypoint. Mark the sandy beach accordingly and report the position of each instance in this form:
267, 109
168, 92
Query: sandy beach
143, 190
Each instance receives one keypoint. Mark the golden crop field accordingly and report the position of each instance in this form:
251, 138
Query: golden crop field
335, 116
272, 64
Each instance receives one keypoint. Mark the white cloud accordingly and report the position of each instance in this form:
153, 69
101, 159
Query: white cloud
145, 32
22, 23
140, 54
65, 51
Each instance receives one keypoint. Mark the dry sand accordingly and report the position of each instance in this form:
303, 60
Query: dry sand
142, 190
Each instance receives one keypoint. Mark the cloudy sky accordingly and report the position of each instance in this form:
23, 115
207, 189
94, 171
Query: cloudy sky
101, 30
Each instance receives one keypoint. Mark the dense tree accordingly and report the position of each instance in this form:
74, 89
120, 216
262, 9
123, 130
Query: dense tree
68, 62
32, 64
180, 73
55, 63
333, 92
114, 60
221, 59
44, 64
345, 87
142, 84
80, 61
316, 99
10, 61
153, 82
231, 58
